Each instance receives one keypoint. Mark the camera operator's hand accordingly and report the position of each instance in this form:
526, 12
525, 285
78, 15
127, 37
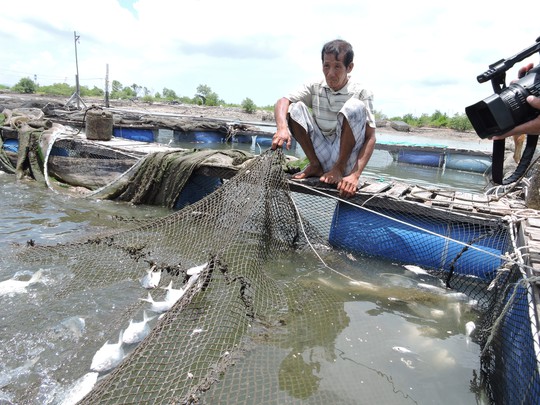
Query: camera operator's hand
531, 127
523, 70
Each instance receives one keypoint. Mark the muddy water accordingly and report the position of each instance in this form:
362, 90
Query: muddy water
391, 350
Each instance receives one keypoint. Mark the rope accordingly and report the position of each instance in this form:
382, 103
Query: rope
396, 220
313, 248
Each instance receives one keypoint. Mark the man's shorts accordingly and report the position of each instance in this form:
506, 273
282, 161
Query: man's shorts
327, 147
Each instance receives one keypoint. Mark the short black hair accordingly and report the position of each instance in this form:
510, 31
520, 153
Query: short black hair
336, 47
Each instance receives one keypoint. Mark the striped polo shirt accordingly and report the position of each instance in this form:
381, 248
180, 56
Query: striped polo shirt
326, 103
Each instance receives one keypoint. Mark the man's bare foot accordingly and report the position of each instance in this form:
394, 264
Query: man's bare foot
333, 176
311, 170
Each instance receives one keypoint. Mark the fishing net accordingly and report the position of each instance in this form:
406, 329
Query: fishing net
247, 331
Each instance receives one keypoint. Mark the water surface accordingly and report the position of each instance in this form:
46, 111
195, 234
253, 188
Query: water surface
392, 350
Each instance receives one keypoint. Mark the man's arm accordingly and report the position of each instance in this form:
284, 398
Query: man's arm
348, 185
282, 135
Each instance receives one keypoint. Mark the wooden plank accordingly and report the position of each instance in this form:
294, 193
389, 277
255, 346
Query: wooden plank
533, 222
443, 198
419, 194
375, 188
533, 234
494, 208
398, 190
463, 201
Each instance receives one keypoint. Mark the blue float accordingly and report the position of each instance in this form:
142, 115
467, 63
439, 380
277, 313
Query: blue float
469, 163
424, 241
11, 145
433, 159
135, 134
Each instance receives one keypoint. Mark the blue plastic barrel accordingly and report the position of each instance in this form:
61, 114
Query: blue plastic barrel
11, 145
365, 232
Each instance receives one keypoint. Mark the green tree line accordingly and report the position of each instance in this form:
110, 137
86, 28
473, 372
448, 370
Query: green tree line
206, 96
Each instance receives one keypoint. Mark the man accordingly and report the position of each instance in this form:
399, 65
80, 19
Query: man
338, 134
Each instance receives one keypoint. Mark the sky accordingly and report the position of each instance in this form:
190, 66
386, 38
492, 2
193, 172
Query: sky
416, 56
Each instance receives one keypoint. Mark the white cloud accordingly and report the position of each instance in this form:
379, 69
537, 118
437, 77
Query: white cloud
417, 56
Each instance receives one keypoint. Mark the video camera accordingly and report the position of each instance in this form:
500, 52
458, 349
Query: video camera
508, 107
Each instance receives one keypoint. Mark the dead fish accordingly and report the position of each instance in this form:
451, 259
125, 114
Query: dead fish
469, 328
79, 389
137, 331
352, 286
172, 293
72, 327
457, 296
196, 331
455, 307
403, 350
151, 278
196, 270
7, 376
14, 286
424, 311
192, 280
108, 356
415, 269
433, 288
398, 280
363, 285
158, 306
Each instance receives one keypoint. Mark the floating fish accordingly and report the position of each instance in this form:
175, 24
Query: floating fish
415, 269
433, 288
137, 331
424, 311
13, 286
457, 296
196, 331
172, 293
469, 328
108, 356
158, 306
363, 285
191, 281
79, 389
196, 270
151, 278
402, 350
72, 327
398, 280
7, 376
455, 307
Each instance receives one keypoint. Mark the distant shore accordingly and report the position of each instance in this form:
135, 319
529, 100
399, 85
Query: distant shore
15, 100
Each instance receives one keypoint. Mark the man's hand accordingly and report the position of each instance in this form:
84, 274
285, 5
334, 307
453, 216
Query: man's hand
281, 137
348, 186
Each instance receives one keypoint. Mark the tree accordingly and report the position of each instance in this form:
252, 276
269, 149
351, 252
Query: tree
248, 105
25, 85
117, 86
169, 94
136, 89
208, 97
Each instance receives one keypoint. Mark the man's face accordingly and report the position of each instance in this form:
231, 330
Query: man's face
335, 71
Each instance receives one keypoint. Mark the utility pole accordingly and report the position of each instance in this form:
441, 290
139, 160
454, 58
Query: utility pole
107, 87
77, 95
